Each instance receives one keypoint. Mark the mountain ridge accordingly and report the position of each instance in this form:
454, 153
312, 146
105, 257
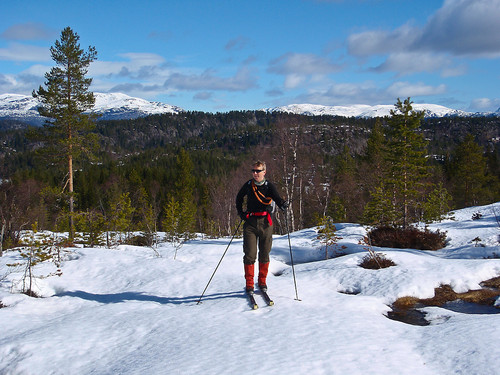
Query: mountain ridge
370, 111
118, 106
110, 106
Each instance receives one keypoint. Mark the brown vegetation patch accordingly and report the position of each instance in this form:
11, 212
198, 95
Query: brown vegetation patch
405, 303
445, 293
376, 261
407, 238
492, 283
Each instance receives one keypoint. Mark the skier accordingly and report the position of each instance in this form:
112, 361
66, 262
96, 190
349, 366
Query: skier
258, 226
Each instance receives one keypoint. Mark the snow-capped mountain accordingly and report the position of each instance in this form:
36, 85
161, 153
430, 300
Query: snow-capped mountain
112, 106
368, 111
117, 106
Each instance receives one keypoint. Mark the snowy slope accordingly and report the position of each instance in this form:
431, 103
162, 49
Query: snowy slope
368, 111
109, 106
127, 311
120, 106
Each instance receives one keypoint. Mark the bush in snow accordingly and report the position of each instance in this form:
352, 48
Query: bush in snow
375, 261
39, 248
407, 238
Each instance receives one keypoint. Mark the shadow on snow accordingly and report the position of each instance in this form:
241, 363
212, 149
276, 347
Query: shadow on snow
137, 296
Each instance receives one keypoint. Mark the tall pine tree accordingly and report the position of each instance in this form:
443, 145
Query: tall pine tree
405, 170
407, 160
65, 100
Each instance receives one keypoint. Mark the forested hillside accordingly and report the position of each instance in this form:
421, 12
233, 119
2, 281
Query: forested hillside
324, 165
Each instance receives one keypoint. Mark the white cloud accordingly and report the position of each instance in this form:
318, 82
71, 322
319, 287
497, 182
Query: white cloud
24, 52
135, 65
368, 92
28, 31
299, 68
484, 105
379, 42
459, 27
21, 84
243, 80
302, 64
464, 27
407, 89
416, 62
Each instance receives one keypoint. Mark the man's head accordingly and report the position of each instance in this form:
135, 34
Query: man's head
259, 171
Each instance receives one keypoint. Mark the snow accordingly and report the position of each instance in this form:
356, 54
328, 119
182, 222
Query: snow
369, 111
121, 106
128, 311
108, 105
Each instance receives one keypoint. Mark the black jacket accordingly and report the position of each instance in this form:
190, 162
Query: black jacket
266, 190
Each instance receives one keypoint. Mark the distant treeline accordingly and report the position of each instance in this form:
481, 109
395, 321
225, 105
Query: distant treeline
325, 165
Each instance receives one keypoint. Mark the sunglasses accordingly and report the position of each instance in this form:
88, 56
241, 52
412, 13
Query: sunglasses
257, 170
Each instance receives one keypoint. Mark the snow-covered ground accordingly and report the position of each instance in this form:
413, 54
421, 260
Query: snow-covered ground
128, 311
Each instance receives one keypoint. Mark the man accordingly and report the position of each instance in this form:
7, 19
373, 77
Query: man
258, 227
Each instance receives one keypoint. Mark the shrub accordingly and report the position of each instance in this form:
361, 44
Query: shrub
327, 236
376, 261
408, 238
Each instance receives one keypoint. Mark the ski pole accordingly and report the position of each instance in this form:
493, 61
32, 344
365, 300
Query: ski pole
220, 261
291, 257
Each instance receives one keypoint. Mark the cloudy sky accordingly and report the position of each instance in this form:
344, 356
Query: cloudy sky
222, 55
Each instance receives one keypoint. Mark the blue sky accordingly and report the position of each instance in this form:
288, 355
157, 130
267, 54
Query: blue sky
222, 55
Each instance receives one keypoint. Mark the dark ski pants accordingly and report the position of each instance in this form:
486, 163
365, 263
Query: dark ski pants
257, 232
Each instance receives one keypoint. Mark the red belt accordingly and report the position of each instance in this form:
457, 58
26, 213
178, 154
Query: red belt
269, 219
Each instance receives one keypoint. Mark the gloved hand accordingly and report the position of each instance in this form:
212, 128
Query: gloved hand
284, 206
243, 215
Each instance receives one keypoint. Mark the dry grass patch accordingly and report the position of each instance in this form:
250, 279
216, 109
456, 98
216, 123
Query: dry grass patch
492, 283
445, 293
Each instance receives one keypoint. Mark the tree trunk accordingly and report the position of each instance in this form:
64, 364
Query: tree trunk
71, 200
1, 237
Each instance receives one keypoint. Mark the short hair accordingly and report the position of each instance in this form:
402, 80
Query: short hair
260, 163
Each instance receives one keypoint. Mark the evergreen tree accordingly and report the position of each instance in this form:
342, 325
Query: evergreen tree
121, 213
147, 217
185, 191
379, 211
375, 153
469, 172
437, 204
65, 100
180, 210
406, 157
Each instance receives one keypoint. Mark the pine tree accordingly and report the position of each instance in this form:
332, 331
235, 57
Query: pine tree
437, 205
375, 153
180, 210
406, 157
327, 234
65, 100
185, 191
380, 209
121, 213
469, 172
